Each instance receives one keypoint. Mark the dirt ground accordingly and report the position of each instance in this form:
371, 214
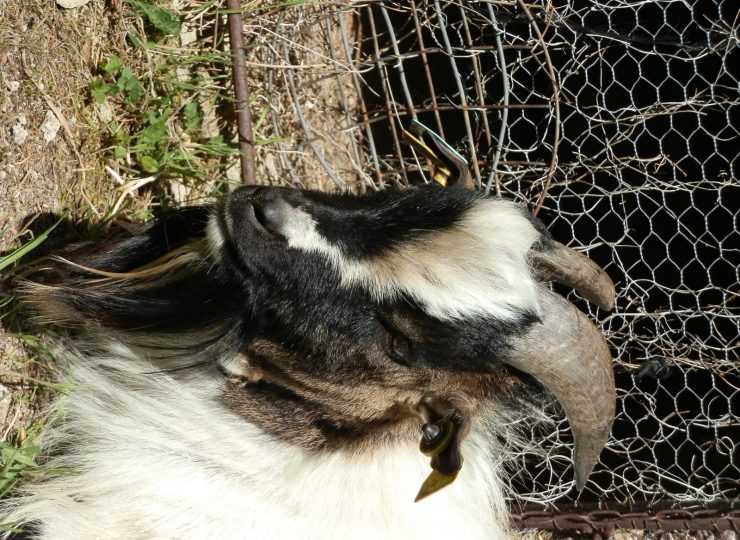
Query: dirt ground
50, 143
50, 136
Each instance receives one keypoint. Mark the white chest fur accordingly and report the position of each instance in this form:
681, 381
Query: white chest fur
159, 458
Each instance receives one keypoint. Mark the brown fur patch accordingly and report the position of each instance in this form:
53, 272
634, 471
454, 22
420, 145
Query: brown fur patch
334, 409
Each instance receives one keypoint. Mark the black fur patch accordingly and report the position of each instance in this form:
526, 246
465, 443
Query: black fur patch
163, 235
365, 226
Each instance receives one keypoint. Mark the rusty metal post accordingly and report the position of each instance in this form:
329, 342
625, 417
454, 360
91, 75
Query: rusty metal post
241, 90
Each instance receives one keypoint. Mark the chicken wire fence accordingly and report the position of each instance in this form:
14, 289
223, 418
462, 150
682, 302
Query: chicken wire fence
612, 119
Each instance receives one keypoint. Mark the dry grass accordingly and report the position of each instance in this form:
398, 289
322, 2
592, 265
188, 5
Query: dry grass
302, 87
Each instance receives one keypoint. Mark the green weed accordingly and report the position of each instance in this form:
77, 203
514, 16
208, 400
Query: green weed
22, 251
16, 462
160, 95
163, 20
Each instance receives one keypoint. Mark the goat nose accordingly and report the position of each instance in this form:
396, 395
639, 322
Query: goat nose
270, 209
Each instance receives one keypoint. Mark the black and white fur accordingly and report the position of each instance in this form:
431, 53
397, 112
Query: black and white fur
242, 370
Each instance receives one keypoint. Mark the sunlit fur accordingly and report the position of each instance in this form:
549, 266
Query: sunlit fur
160, 458
233, 381
488, 244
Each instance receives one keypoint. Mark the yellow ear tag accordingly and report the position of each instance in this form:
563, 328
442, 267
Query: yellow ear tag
434, 482
440, 172
441, 176
437, 438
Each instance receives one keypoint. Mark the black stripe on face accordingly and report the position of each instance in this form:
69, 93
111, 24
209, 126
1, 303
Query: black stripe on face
367, 225
476, 345
361, 226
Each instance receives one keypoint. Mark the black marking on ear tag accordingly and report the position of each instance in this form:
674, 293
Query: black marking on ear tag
449, 461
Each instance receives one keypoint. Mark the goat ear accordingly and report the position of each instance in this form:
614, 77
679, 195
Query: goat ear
160, 236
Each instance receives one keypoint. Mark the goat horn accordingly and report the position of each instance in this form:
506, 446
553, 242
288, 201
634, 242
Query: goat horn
566, 352
568, 267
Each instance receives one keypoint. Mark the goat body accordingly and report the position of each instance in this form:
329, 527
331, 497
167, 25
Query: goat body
255, 369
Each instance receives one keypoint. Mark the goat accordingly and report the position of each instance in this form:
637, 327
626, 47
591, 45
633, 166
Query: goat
265, 368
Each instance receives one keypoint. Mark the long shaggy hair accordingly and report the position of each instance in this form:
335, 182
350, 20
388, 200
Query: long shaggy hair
254, 369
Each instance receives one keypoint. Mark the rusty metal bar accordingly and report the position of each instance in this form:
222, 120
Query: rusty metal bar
607, 521
241, 91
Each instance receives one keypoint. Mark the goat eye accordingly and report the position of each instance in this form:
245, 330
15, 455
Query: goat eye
398, 345
399, 348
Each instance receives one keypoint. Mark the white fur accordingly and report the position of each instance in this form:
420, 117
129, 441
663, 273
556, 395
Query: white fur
214, 238
160, 458
476, 267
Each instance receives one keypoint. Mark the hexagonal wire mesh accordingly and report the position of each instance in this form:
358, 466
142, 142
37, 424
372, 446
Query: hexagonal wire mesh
614, 120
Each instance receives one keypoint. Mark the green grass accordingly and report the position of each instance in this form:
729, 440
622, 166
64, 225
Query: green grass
20, 452
22, 251
164, 99
18, 456
20, 447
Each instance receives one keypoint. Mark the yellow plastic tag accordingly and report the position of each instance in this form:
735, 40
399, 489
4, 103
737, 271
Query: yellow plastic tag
434, 482
440, 172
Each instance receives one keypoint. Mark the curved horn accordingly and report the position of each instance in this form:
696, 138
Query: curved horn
568, 267
566, 352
